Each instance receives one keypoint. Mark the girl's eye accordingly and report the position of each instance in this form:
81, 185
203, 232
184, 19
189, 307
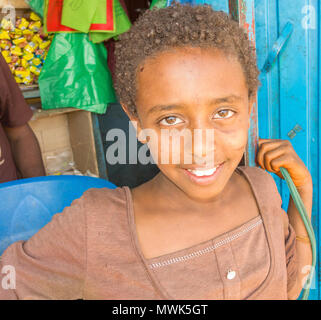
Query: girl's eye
224, 114
171, 121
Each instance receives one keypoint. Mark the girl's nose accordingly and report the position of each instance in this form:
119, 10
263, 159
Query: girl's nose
202, 145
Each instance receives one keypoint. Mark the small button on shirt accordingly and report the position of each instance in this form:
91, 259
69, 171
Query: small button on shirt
230, 274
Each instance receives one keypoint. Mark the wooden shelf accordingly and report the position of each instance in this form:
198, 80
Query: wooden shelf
40, 114
18, 4
31, 94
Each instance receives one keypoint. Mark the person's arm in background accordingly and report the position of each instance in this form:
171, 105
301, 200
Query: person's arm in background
26, 151
14, 117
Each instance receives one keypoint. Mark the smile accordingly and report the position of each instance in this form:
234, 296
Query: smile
204, 176
202, 172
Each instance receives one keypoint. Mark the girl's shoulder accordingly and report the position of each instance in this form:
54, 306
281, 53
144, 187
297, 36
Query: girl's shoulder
262, 184
106, 205
268, 199
255, 172
99, 196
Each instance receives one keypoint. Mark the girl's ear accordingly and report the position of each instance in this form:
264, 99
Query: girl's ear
135, 122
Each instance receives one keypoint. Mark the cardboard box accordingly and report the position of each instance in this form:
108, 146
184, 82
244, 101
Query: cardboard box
18, 4
66, 132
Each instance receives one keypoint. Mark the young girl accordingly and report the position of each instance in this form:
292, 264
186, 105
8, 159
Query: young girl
195, 231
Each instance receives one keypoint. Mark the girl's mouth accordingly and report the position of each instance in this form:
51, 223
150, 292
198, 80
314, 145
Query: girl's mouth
204, 176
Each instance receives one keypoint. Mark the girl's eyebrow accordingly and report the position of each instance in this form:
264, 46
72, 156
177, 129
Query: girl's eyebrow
165, 108
229, 99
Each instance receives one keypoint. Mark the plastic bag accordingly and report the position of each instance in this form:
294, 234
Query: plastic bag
158, 4
75, 16
37, 6
80, 17
62, 163
59, 162
75, 74
122, 24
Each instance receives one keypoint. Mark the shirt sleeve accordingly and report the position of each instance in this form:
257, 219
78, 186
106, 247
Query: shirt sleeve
51, 265
14, 111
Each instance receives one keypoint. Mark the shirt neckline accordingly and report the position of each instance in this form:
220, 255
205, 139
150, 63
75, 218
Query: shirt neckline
146, 262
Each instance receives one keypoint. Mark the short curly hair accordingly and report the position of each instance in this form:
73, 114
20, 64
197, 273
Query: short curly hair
158, 30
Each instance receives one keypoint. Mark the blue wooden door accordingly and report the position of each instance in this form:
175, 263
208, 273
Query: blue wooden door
288, 99
216, 4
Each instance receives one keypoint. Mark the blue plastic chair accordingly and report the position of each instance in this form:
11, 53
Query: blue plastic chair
28, 205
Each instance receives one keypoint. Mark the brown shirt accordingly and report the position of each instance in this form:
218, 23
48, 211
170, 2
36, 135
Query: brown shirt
91, 251
14, 112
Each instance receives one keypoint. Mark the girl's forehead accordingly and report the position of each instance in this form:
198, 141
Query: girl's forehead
189, 62
177, 54
193, 73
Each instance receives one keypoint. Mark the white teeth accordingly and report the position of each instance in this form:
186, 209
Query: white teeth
202, 173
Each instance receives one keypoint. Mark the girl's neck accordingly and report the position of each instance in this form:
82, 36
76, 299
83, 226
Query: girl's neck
165, 191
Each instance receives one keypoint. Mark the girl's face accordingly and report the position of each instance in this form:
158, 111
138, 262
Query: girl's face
188, 89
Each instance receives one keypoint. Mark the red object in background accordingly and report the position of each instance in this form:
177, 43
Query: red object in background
54, 15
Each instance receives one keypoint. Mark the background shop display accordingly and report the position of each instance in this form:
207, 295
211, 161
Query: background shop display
24, 46
69, 138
